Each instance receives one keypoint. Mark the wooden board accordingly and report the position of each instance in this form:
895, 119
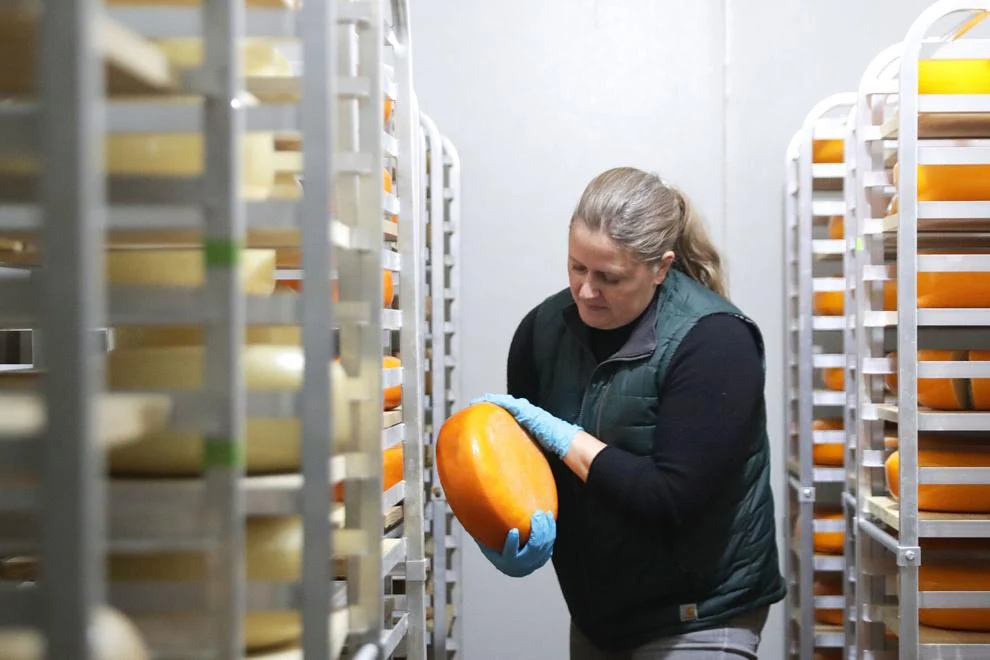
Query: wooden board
935, 126
887, 510
134, 66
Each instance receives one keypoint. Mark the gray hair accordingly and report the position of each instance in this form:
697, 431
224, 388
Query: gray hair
650, 217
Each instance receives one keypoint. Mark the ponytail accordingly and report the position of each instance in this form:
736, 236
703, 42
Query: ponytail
695, 253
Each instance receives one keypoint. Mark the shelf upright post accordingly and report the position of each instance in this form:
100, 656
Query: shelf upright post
222, 79
791, 431
360, 201
317, 27
869, 251
851, 411
412, 246
70, 84
909, 554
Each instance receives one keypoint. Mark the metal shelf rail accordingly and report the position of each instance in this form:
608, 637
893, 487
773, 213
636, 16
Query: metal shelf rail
923, 235
442, 190
813, 267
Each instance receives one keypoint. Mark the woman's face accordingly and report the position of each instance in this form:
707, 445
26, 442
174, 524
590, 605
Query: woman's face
609, 284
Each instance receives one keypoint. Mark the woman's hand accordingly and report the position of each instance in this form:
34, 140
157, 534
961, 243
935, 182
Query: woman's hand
554, 434
518, 563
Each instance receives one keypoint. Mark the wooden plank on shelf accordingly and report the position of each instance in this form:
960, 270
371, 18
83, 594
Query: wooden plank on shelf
134, 65
927, 635
944, 126
886, 509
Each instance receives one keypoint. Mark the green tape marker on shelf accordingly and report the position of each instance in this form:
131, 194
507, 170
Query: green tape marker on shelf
219, 453
859, 245
221, 253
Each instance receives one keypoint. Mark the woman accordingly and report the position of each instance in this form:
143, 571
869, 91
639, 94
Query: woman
644, 385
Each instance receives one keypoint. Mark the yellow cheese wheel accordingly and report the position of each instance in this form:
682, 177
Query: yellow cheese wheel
828, 151
259, 57
954, 394
112, 635
186, 269
141, 336
828, 584
831, 454
272, 445
949, 498
273, 553
969, 76
173, 155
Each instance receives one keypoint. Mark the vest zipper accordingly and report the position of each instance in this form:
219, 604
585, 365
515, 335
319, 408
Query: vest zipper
594, 372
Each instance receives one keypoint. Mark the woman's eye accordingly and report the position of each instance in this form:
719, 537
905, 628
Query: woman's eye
578, 269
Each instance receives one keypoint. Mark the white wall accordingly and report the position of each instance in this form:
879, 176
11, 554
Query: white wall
541, 96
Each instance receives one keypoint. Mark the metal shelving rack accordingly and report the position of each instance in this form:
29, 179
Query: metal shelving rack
813, 264
896, 121
442, 196
329, 115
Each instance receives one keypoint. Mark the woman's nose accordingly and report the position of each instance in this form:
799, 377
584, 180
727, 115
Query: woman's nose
586, 291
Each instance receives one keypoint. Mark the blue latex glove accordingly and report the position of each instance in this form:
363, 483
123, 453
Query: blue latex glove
518, 563
554, 434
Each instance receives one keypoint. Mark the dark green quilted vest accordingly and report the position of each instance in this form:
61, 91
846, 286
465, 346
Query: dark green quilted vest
626, 583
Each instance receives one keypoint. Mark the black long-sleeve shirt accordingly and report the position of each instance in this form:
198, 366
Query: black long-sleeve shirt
710, 396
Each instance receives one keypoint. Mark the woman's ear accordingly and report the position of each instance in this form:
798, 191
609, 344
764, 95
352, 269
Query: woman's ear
661, 268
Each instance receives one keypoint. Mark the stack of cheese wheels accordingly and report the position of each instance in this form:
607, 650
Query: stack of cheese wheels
493, 474
273, 553
111, 634
934, 451
831, 453
955, 565
824, 542
956, 394
828, 584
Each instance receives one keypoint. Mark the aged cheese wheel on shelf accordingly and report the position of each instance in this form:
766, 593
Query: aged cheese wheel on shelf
259, 57
830, 454
392, 471
950, 183
493, 474
272, 445
828, 151
393, 394
956, 394
273, 553
947, 498
186, 269
948, 76
836, 227
948, 289
828, 584
827, 543
960, 574
834, 378
829, 303
113, 637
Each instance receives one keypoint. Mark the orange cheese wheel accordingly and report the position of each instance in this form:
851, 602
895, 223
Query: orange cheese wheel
834, 378
830, 454
389, 109
828, 151
956, 394
955, 575
836, 227
828, 584
388, 288
950, 183
493, 474
392, 471
954, 498
829, 303
393, 395
826, 543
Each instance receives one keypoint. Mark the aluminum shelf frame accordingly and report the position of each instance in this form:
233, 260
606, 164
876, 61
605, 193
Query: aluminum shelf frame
896, 124
813, 264
442, 197
335, 115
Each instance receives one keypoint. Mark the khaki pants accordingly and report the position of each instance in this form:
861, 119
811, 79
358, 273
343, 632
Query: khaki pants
737, 640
